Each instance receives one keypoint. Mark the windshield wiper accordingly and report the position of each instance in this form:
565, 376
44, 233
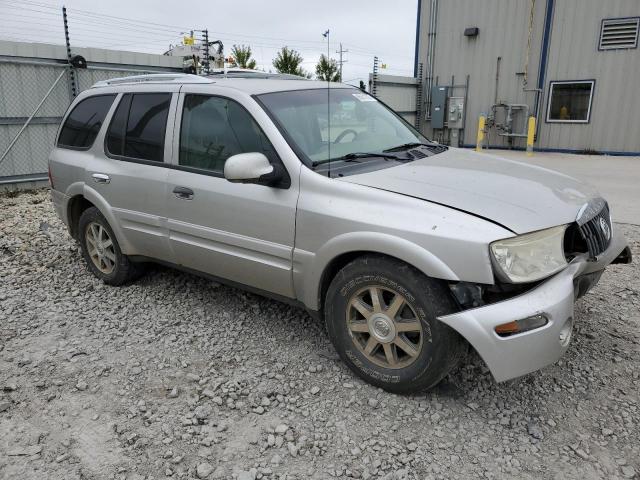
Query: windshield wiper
358, 155
407, 146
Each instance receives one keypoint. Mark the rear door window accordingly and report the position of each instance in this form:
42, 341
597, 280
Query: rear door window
82, 125
138, 128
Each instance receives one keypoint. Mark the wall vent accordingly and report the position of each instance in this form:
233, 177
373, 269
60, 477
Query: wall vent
617, 33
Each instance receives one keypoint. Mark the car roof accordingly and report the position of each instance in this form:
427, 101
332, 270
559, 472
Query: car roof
254, 83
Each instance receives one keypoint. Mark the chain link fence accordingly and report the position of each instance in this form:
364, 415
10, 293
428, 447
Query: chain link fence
24, 83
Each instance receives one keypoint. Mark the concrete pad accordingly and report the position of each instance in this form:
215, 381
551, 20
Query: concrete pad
617, 178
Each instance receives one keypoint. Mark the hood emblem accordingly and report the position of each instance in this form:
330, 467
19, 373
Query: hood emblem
606, 230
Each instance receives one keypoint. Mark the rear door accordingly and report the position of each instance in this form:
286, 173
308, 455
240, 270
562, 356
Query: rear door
241, 232
131, 171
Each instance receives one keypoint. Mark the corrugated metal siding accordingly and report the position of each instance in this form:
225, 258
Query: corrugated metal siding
573, 55
399, 93
503, 33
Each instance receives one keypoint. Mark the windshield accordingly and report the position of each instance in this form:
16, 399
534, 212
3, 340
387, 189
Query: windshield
358, 123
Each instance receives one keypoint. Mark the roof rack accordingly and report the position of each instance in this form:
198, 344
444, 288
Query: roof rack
248, 73
154, 78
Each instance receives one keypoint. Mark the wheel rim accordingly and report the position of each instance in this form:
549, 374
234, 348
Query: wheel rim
384, 326
100, 247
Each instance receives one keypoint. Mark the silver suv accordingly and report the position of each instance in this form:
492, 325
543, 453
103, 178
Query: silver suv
325, 198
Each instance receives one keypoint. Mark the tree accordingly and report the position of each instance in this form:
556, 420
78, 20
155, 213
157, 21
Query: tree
241, 57
288, 61
327, 70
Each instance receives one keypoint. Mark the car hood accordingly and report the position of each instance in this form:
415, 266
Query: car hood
520, 197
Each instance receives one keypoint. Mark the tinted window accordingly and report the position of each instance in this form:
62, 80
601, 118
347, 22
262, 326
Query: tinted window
83, 123
214, 128
139, 125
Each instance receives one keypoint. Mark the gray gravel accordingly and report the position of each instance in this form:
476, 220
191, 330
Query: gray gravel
177, 377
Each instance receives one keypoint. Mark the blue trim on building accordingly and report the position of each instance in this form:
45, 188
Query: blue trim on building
613, 153
544, 53
415, 60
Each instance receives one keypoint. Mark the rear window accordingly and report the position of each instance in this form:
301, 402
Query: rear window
138, 127
83, 123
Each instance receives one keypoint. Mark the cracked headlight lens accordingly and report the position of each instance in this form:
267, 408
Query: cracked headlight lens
532, 256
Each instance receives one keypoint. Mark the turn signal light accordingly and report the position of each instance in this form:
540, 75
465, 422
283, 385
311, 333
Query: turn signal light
521, 326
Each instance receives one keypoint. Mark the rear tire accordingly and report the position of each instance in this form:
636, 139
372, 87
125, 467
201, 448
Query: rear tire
381, 316
101, 251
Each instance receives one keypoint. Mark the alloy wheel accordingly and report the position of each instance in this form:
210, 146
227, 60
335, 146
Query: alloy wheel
100, 247
384, 326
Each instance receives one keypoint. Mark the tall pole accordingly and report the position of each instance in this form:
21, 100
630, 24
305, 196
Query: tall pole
206, 50
341, 61
374, 77
328, 73
72, 75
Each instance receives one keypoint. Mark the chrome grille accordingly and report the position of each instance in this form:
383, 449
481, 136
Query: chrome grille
597, 231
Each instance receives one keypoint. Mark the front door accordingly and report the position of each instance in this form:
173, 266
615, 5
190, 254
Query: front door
240, 232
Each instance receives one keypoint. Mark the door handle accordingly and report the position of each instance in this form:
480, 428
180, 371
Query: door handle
101, 178
183, 193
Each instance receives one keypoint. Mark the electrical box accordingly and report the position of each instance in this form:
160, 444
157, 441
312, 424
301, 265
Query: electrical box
438, 106
455, 112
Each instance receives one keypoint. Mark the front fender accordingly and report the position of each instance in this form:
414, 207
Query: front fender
309, 267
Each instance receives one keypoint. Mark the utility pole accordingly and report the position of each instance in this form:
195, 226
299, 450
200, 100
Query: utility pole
72, 75
205, 32
340, 62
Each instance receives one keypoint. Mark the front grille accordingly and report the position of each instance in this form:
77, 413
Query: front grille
596, 232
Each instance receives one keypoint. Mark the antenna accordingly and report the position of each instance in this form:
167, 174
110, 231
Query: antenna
328, 73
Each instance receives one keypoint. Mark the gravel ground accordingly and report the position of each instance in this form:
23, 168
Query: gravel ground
175, 376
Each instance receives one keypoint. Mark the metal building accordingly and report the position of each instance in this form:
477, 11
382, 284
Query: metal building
572, 64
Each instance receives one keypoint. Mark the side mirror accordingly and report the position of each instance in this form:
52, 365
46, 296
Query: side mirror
252, 167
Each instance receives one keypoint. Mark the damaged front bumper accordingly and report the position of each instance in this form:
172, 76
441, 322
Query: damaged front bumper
519, 354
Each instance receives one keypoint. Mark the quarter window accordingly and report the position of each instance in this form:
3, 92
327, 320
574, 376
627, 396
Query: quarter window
215, 128
570, 102
82, 125
138, 127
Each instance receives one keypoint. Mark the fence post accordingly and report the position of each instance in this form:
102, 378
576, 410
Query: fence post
480, 138
374, 77
72, 73
530, 135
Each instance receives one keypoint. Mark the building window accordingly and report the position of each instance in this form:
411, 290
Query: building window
619, 33
570, 101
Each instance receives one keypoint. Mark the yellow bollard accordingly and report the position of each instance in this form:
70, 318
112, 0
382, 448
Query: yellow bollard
531, 131
480, 139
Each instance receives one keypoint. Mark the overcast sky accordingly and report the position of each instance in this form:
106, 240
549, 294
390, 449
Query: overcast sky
365, 27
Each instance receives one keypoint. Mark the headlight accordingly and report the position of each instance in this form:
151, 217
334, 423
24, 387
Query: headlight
530, 257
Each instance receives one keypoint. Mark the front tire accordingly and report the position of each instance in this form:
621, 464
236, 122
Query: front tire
101, 251
381, 315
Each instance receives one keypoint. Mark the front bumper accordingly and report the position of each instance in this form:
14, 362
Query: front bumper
516, 355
